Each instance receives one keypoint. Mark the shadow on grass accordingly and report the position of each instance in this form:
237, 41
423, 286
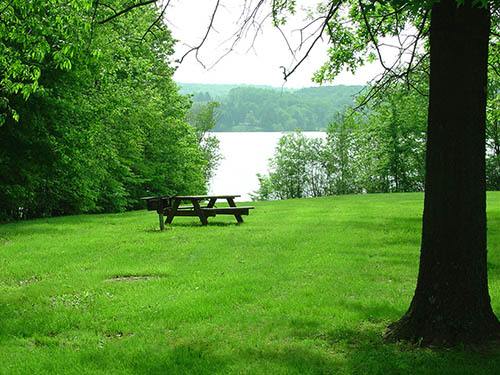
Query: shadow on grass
306, 350
177, 359
409, 228
32, 229
169, 227
339, 351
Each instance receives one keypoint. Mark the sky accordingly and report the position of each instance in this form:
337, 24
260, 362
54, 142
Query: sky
260, 65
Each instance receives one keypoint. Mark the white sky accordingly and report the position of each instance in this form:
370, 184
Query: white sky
259, 66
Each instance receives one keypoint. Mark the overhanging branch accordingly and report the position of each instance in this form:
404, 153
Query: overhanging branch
128, 9
210, 27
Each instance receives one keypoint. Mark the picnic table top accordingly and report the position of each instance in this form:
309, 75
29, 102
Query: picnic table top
200, 197
205, 196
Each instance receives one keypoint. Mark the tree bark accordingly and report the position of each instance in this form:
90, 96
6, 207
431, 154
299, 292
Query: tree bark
451, 304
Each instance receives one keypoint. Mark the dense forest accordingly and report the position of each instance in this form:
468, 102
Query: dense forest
91, 118
261, 108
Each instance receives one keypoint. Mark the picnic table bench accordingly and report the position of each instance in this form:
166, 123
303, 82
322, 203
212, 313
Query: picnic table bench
171, 207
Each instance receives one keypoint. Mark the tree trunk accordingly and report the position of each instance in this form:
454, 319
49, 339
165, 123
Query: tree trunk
451, 304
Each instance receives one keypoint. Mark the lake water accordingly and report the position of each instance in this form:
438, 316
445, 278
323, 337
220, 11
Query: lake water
245, 154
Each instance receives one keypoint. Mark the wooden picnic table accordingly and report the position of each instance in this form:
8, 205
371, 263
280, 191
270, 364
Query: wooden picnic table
171, 207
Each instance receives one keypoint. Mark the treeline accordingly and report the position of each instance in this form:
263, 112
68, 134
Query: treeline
105, 123
267, 109
379, 150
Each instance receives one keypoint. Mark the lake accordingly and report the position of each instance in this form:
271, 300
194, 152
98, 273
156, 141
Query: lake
245, 154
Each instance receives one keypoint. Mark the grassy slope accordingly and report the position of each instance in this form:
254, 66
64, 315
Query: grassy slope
302, 287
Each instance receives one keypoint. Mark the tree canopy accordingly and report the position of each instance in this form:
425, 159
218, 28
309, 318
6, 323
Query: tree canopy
101, 123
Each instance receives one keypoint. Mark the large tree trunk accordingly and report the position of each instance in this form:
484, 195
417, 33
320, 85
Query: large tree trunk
451, 303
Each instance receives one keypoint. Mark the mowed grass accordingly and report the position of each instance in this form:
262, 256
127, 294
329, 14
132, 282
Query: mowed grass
302, 287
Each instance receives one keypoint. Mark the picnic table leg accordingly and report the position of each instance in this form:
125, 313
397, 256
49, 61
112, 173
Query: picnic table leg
160, 213
162, 223
211, 202
199, 212
173, 211
231, 203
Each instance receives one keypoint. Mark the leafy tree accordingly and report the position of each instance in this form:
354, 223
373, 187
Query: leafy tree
104, 133
391, 145
451, 302
33, 31
296, 169
342, 156
379, 150
204, 118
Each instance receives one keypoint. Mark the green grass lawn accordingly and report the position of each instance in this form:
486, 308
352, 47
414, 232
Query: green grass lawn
302, 287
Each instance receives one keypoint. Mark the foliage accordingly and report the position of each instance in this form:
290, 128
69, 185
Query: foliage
203, 117
343, 156
296, 169
493, 131
267, 109
30, 33
111, 129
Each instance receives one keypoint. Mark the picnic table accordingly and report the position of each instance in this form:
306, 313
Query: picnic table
171, 207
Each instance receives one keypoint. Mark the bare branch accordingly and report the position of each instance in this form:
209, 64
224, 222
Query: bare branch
158, 19
372, 37
128, 9
318, 30
331, 12
287, 42
248, 21
495, 70
419, 35
197, 48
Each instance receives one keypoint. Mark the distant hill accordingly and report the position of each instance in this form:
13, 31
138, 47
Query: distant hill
265, 108
218, 91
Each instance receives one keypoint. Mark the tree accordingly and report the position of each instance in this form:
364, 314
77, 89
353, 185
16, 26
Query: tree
296, 169
34, 31
342, 163
204, 118
378, 150
107, 131
451, 302
391, 141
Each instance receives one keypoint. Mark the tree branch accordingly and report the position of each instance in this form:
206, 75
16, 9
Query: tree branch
197, 48
160, 17
419, 35
495, 70
128, 9
372, 37
331, 12
248, 20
